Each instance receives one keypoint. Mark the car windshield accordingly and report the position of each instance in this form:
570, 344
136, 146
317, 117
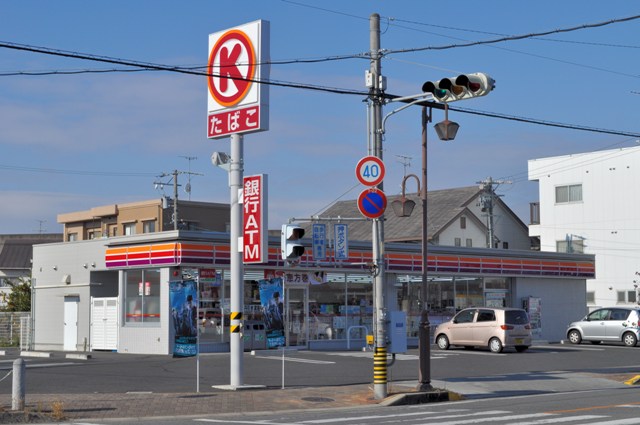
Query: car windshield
516, 317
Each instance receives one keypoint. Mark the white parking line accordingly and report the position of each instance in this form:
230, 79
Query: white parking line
294, 359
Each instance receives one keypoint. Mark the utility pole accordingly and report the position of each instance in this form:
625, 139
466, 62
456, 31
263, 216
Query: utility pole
174, 178
487, 203
376, 84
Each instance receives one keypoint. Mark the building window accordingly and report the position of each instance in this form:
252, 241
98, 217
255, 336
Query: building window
469, 243
591, 297
569, 193
149, 226
625, 297
129, 229
505, 245
142, 297
457, 242
463, 222
72, 237
570, 246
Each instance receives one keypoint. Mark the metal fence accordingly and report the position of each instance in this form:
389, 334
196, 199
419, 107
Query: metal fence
15, 330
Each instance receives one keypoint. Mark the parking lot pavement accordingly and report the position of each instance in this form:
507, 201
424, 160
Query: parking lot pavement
132, 404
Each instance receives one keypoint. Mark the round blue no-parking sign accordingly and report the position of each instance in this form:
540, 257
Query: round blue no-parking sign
372, 203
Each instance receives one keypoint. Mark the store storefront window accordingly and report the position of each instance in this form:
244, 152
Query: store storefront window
142, 297
342, 303
211, 312
359, 307
496, 292
324, 307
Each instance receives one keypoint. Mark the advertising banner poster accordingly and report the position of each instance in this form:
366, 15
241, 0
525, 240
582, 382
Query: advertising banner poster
272, 301
183, 297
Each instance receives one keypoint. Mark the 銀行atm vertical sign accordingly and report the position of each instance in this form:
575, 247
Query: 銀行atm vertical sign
238, 62
255, 236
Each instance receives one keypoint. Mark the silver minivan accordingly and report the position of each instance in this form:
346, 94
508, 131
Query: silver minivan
612, 324
495, 328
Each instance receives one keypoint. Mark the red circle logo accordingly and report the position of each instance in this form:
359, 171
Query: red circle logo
231, 67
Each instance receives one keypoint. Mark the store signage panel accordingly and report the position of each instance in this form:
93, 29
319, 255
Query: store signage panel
254, 221
238, 61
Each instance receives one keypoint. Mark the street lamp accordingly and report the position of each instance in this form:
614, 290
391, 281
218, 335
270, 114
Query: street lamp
403, 208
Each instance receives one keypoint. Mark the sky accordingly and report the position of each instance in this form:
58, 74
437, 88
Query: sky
73, 141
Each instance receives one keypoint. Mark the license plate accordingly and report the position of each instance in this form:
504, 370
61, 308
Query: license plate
519, 340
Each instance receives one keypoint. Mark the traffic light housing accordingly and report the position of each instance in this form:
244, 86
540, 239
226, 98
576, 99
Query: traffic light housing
464, 86
291, 247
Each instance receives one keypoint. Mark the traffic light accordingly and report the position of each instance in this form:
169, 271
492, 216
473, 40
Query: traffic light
290, 246
464, 86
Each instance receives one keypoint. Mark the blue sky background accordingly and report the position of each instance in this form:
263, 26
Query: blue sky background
72, 142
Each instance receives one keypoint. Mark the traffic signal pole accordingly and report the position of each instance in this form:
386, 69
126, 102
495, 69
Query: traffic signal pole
376, 100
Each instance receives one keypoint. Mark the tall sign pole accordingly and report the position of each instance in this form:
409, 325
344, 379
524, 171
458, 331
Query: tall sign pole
237, 104
236, 172
376, 85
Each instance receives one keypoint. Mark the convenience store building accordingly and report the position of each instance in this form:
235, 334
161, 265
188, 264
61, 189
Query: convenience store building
113, 293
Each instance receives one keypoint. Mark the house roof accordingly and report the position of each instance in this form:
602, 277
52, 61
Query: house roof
443, 206
16, 251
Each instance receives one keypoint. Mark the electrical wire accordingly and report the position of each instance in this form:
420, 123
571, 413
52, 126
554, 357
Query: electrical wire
515, 37
76, 172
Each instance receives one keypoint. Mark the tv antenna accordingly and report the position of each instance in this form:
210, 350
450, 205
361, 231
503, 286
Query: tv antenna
187, 187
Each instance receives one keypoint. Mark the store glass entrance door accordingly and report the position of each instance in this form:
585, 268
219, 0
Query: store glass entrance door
296, 327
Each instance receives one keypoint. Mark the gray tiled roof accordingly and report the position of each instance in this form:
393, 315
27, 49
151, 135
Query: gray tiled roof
16, 251
442, 207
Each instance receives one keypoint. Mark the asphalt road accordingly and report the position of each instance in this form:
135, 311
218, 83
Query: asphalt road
107, 372
598, 407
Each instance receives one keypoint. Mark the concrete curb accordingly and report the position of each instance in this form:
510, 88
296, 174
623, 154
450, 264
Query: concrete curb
418, 397
78, 356
34, 354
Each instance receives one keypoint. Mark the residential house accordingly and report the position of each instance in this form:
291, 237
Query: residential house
463, 217
16, 253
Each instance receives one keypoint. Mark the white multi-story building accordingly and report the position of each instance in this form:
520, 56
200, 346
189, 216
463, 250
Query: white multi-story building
587, 204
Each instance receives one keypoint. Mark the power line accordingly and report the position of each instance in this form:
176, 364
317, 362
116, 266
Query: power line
515, 37
192, 71
77, 172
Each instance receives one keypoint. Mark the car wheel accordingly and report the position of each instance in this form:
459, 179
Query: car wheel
629, 339
521, 348
443, 342
574, 337
495, 345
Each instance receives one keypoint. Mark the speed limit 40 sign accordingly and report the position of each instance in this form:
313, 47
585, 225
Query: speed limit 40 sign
370, 171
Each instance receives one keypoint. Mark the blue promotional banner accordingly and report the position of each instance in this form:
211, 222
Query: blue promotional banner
272, 301
183, 298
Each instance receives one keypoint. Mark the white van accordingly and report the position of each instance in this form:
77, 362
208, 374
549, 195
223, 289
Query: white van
495, 328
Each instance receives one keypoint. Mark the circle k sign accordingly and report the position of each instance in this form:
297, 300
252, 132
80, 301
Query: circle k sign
231, 67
